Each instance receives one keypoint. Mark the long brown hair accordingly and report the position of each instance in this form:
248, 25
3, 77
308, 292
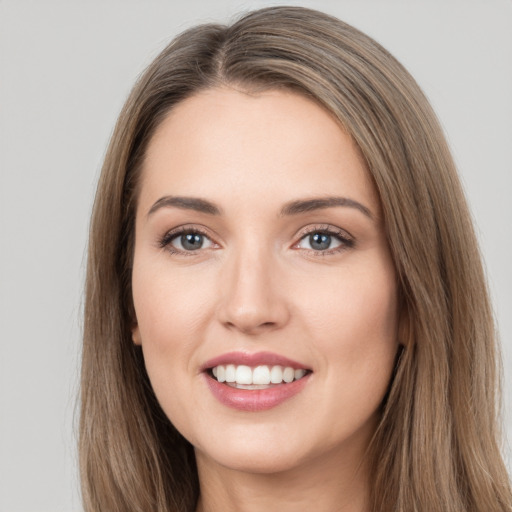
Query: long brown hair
436, 448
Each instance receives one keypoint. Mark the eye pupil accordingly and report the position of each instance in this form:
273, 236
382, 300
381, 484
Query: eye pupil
319, 241
192, 241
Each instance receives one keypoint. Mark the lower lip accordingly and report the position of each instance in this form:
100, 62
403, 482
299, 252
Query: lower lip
255, 400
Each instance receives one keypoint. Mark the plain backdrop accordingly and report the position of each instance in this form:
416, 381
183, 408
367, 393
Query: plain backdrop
66, 68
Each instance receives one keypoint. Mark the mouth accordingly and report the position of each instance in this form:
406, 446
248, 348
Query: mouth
254, 382
256, 378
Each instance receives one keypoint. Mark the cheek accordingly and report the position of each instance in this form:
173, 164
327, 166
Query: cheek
167, 314
371, 356
357, 305
170, 313
168, 305
373, 312
354, 322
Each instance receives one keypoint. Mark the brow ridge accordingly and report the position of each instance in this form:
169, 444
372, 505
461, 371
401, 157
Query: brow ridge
295, 207
185, 203
320, 203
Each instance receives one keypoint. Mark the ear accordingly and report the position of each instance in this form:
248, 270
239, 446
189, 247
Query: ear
136, 335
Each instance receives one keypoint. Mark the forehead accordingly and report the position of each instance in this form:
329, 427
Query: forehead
224, 143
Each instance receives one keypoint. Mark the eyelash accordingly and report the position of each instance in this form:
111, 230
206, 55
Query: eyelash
345, 239
166, 240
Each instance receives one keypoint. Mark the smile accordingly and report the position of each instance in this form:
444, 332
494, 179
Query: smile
259, 377
254, 382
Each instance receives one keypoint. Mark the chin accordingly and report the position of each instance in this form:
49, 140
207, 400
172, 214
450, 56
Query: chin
277, 448
245, 460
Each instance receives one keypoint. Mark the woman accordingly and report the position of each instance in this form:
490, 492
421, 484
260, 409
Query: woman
285, 305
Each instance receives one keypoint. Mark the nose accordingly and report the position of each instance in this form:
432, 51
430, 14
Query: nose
253, 299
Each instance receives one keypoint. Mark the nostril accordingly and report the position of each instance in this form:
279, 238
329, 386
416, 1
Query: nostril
248, 327
251, 301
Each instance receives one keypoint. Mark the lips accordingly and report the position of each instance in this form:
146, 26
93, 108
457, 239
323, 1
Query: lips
257, 359
254, 382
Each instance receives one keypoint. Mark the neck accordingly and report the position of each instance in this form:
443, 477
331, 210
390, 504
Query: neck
332, 483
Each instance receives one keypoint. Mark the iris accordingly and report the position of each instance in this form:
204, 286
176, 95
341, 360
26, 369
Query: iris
192, 241
320, 241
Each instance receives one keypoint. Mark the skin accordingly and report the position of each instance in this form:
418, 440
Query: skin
257, 284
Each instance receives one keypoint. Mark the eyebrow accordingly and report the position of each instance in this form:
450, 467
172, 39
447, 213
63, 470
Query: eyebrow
185, 203
292, 208
321, 203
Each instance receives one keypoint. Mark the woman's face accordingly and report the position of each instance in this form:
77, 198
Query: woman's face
260, 257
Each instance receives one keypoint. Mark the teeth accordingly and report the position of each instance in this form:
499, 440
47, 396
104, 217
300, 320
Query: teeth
288, 374
230, 373
261, 375
276, 375
299, 374
243, 375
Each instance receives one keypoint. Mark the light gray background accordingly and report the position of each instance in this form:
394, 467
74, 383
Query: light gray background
66, 68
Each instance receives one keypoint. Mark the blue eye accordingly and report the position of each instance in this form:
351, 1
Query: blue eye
320, 241
324, 241
186, 241
189, 242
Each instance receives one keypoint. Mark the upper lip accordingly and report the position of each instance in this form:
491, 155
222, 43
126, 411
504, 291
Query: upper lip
255, 359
